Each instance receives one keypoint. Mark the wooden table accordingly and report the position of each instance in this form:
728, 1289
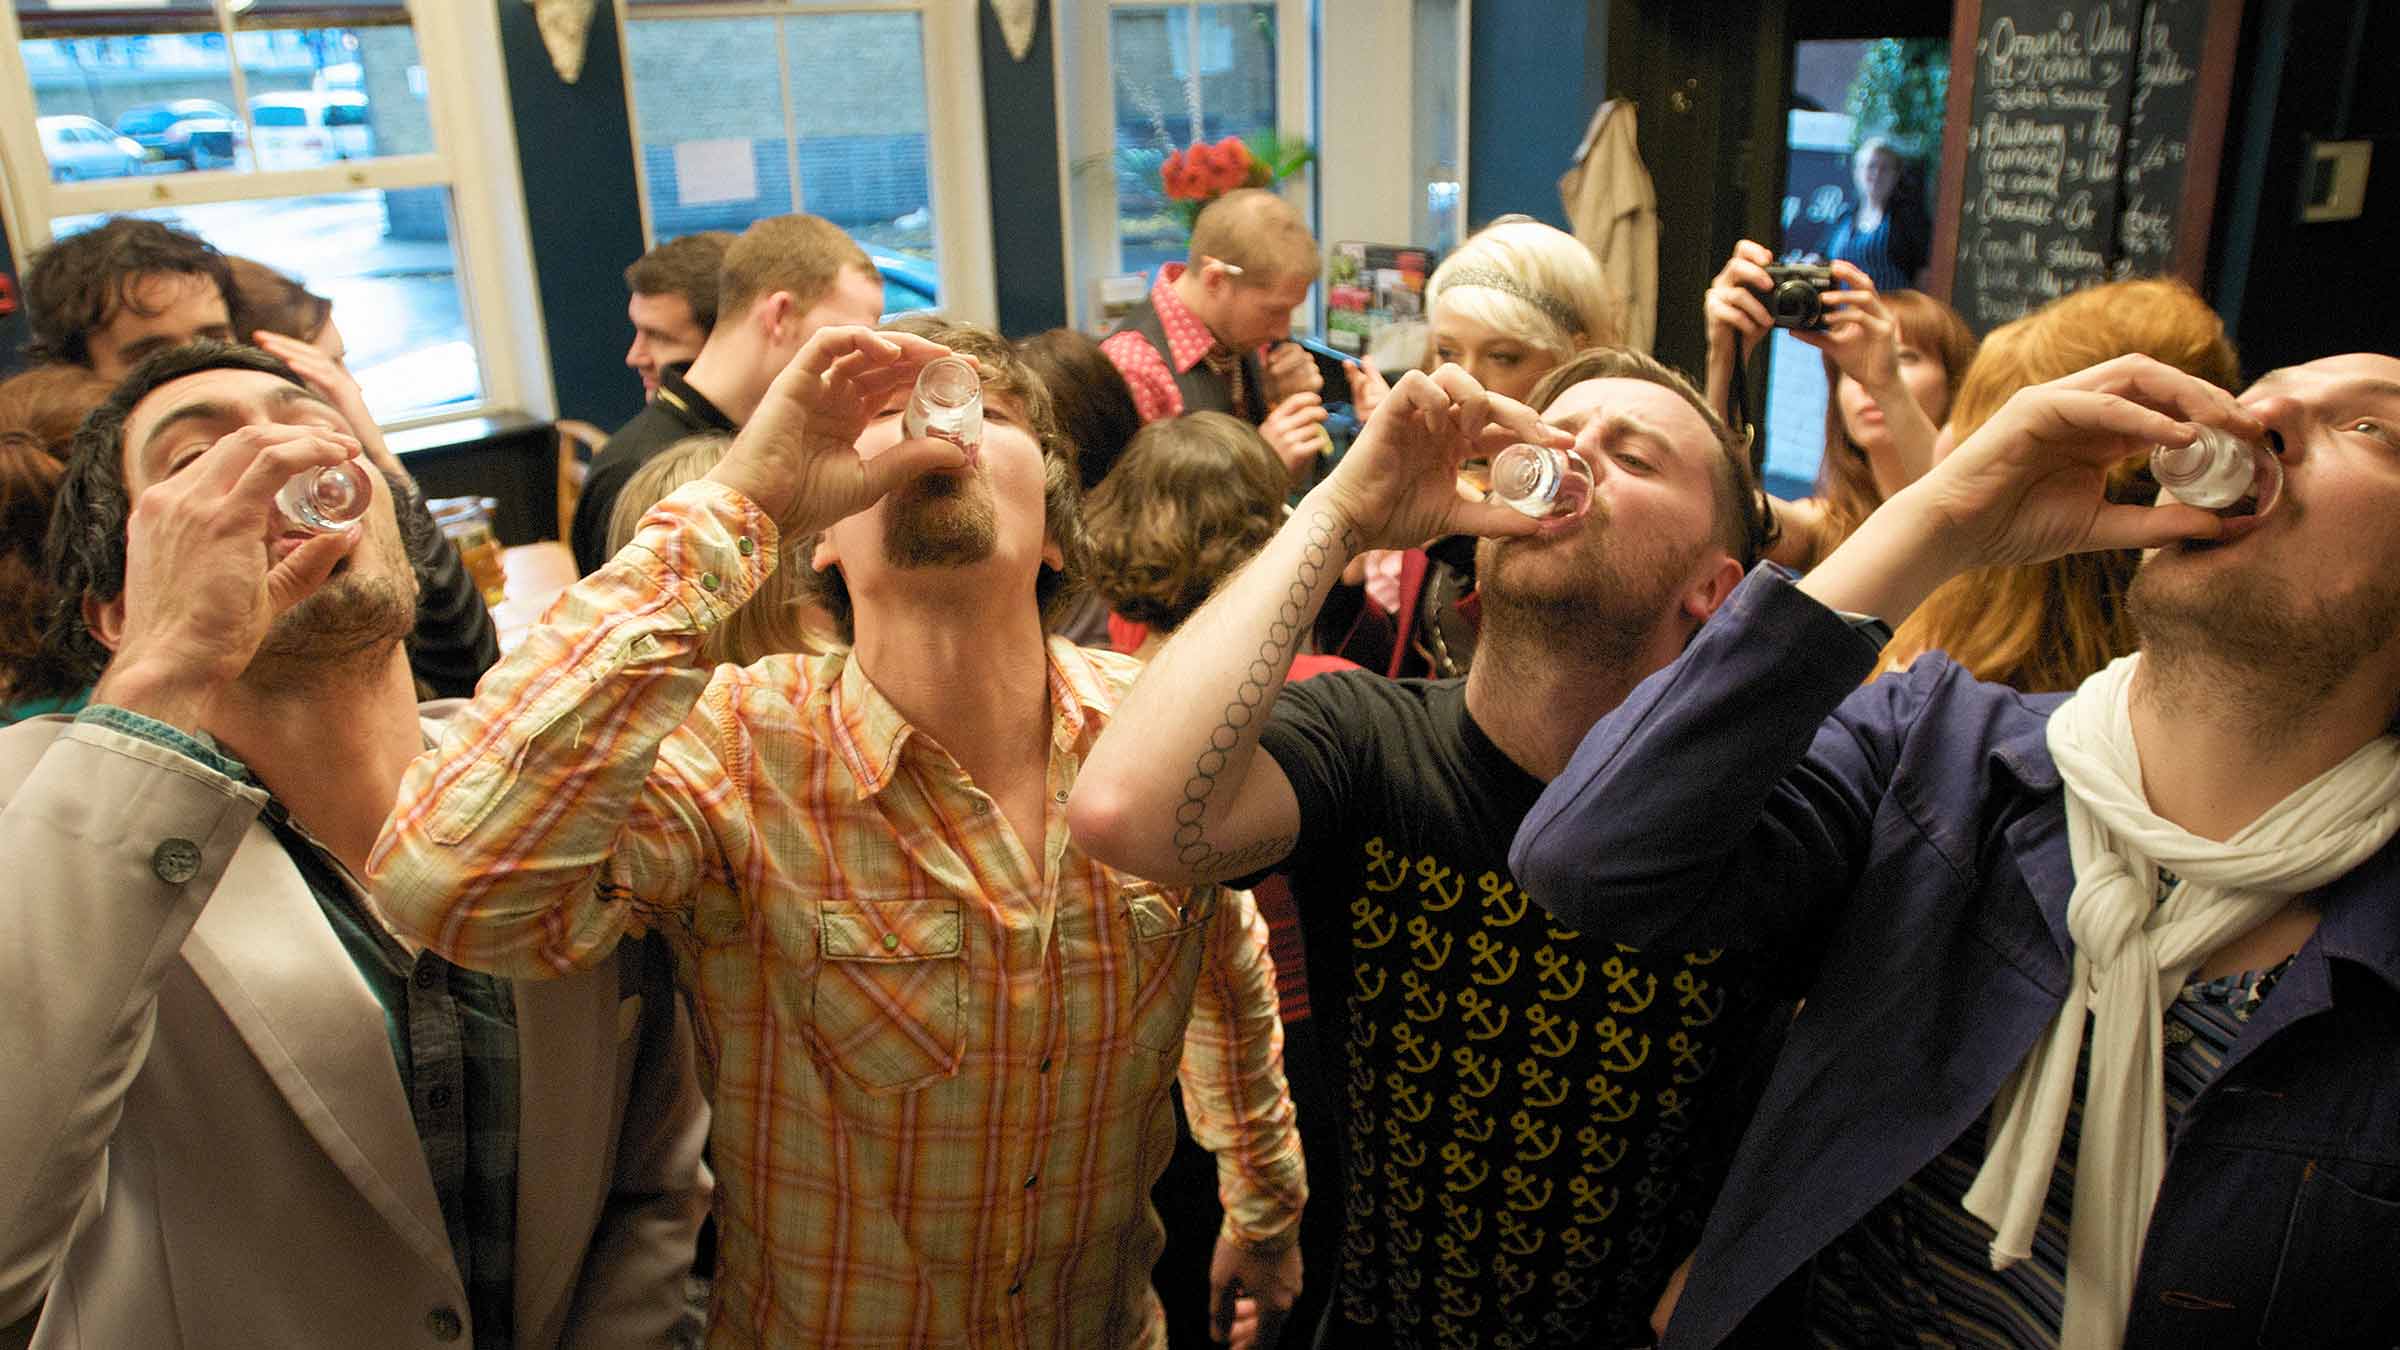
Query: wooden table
536, 575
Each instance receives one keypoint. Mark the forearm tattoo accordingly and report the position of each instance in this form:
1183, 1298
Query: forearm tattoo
1193, 848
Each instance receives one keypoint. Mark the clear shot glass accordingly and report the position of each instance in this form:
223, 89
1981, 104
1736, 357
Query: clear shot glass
947, 404
2219, 472
327, 498
1540, 482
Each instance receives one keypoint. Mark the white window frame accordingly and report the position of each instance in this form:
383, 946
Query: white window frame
1087, 130
466, 102
958, 169
1370, 193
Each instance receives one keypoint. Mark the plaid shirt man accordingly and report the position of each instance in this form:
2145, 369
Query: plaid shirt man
940, 1065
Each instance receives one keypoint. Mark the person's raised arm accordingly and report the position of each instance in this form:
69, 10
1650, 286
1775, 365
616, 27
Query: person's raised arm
2029, 486
1175, 790
118, 827
1736, 318
571, 802
1734, 789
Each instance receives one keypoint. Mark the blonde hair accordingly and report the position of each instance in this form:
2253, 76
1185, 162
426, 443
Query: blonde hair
800, 254
777, 617
1522, 277
1259, 232
2045, 627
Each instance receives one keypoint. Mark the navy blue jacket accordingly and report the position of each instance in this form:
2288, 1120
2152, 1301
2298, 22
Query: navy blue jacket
1904, 847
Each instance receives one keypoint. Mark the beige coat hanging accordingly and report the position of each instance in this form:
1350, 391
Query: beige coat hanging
1614, 209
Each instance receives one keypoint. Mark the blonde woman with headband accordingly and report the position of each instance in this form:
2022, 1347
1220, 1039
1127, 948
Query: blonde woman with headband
1508, 306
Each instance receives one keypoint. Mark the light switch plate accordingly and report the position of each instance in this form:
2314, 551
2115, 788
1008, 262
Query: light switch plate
2333, 186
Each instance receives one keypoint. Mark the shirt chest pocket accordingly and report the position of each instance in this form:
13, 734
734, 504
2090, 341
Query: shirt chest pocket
888, 1008
1169, 927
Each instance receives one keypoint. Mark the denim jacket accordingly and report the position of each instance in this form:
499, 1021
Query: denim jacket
1903, 847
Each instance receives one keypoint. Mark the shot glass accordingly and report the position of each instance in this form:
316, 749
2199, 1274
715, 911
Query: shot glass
2219, 472
947, 405
1540, 481
327, 498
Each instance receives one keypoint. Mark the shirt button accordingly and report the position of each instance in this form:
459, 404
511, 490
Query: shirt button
746, 546
445, 1324
438, 1097
1017, 1288
427, 977
1060, 796
891, 942
1032, 1179
1045, 1064
708, 581
175, 861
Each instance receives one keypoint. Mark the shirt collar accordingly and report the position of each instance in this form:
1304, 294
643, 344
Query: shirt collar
869, 734
689, 403
1188, 339
2361, 923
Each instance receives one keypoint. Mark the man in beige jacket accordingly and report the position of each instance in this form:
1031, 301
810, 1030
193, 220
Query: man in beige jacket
239, 1111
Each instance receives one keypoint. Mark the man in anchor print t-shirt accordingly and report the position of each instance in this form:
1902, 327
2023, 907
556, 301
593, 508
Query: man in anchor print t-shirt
1535, 1118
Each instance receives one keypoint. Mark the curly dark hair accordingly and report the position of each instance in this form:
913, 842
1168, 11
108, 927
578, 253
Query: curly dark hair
266, 298
39, 411
1192, 499
1095, 408
76, 285
84, 553
1062, 496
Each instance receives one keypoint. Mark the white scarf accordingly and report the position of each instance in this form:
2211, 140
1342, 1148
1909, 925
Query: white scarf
2131, 958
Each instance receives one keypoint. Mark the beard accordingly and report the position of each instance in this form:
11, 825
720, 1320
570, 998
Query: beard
350, 620
2283, 649
1596, 593
940, 520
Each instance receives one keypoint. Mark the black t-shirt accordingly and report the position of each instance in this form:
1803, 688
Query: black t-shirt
677, 411
1534, 1118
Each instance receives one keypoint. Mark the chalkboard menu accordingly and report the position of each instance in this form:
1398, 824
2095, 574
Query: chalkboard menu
2074, 132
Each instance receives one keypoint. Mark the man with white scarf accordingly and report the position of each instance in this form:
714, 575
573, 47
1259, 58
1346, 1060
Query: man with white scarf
2101, 1041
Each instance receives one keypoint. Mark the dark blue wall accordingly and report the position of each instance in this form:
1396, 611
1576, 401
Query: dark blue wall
1020, 129
1536, 74
581, 208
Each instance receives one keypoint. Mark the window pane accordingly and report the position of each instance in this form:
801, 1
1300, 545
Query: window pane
384, 259
316, 95
1439, 36
323, 95
1182, 73
112, 107
718, 153
858, 97
709, 113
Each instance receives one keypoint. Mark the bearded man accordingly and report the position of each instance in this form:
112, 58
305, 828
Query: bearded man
241, 1110
2099, 1044
942, 1035
1534, 1114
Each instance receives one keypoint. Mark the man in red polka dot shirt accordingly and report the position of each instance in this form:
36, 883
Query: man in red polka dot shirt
1215, 334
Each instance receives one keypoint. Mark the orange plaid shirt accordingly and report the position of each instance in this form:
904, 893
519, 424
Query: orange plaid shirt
940, 1066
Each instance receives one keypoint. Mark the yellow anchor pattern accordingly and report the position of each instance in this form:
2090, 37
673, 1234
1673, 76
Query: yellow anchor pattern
1519, 1099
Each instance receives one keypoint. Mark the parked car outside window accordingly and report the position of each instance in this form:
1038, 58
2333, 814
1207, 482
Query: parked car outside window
306, 128
79, 148
198, 133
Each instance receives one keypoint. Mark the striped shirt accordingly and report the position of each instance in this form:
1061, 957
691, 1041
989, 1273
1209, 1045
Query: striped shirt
1917, 1270
940, 1066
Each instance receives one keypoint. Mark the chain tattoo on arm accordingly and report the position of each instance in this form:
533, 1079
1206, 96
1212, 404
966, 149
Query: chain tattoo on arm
1193, 848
